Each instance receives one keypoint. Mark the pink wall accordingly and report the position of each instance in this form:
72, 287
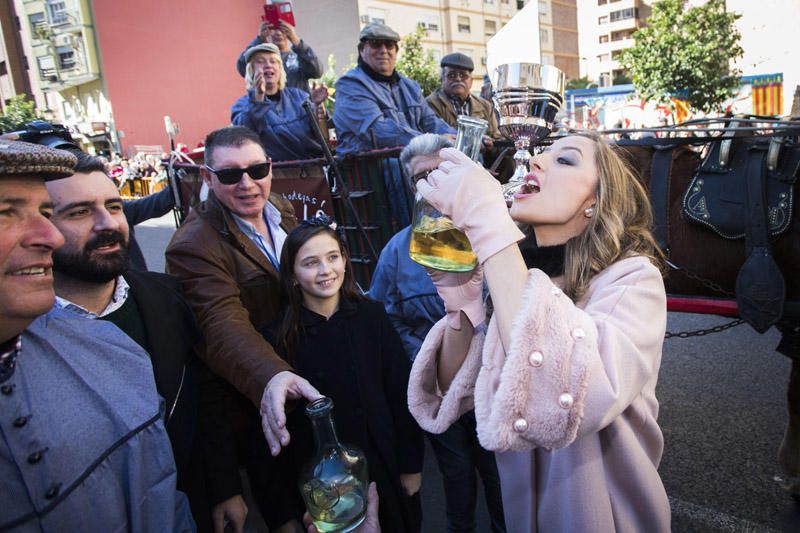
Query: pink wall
173, 58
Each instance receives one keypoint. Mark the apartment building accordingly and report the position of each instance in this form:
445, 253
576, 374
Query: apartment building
606, 27
61, 52
13, 61
332, 26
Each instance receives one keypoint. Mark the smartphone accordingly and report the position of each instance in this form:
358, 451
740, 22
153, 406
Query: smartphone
274, 13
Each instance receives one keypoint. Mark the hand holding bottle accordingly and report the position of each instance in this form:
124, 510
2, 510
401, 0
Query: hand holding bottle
461, 291
464, 191
283, 385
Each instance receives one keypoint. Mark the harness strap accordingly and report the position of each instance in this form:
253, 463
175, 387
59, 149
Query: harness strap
660, 169
757, 228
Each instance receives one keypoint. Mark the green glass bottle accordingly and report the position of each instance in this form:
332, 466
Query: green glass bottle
334, 481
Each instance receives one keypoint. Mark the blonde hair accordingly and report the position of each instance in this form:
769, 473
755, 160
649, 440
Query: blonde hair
249, 74
619, 228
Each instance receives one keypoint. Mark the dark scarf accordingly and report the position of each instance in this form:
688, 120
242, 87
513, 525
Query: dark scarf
394, 77
548, 259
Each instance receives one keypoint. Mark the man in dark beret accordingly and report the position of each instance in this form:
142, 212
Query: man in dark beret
453, 98
82, 414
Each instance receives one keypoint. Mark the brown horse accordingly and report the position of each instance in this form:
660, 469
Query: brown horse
703, 264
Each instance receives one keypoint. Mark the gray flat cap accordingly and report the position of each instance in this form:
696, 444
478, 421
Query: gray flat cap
457, 60
263, 47
17, 157
376, 30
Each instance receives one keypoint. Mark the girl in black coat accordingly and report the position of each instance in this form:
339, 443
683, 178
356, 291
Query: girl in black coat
346, 347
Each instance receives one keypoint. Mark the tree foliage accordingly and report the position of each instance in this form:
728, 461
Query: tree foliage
686, 53
580, 83
19, 111
417, 63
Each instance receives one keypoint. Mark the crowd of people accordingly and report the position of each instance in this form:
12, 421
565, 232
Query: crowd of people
134, 399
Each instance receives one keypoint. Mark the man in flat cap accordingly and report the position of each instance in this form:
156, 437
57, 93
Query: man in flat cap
83, 446
376, 107
454, 98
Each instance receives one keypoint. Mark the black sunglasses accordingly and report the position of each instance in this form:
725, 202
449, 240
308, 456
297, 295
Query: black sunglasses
377, 43
231, 176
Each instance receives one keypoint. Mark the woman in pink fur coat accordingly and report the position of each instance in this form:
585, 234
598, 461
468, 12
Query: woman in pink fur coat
563, 378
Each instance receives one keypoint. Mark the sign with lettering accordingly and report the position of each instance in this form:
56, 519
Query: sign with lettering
306, 188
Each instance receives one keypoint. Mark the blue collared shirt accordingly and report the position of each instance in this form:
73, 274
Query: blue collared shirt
273, 218
117, 299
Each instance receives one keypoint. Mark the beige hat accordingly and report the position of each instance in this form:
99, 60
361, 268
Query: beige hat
17, 157
263, 47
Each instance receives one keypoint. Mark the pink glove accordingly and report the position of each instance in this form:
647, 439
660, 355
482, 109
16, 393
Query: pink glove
473, 199
461, 291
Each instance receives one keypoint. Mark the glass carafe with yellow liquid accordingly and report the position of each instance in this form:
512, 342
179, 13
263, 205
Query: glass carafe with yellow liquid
435, 241
334, 482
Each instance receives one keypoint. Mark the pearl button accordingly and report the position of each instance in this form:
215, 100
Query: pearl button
578, 333
565, 400
555, 291
7, 389
536, 358
35, 457
520, 425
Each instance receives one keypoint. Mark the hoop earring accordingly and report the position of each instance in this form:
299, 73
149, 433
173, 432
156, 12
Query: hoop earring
588, 212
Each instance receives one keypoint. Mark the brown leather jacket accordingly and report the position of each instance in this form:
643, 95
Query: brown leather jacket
233, 289
479, 108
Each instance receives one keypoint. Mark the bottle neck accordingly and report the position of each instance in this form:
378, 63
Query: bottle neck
324, 432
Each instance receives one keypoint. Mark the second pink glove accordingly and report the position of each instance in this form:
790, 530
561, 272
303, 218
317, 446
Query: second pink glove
461, 291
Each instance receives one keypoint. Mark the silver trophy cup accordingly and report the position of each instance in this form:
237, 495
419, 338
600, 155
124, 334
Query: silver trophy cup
527, 96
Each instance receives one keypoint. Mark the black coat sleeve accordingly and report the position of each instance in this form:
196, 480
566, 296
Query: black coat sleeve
151, 206
396, 368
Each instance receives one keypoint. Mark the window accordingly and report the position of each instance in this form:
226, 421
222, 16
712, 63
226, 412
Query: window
543, 7
488, 1
623, 14
490, 28
605, 79
544, 36
463, 24
603, 58
431, 23
620, 35
603, 19
47, 67
520, 4
57, 10
377, 15
603, 39
66, 57
3, 68
38, 23
602, 2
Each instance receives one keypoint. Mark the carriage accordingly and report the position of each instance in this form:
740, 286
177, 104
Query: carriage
722, 193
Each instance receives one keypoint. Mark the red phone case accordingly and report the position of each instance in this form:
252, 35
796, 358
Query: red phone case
274, 13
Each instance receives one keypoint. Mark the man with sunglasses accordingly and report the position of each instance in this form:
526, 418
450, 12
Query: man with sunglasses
376, 107
226, 255
454, 98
